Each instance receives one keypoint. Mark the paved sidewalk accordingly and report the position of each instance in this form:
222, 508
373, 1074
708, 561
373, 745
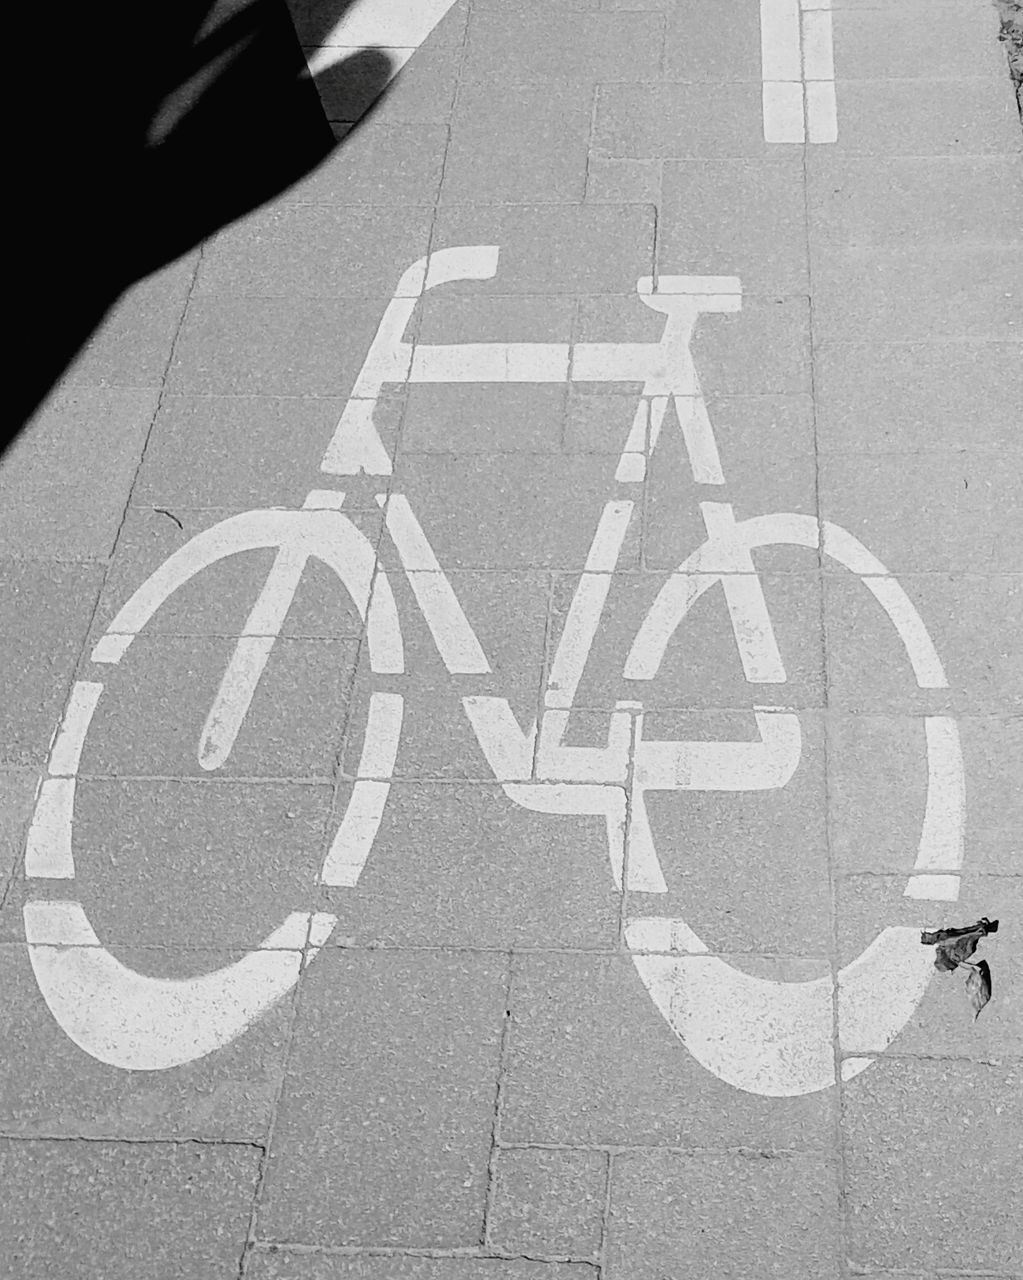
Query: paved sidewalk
337, 965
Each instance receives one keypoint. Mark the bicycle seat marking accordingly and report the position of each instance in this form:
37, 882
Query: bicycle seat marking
767, 1037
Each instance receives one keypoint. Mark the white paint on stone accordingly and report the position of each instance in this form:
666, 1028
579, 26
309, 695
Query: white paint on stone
395, 27
798, 71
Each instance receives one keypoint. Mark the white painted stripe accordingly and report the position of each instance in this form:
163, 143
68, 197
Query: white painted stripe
234, 697
933, 888
354, 839
779, 40
399, 23
453, 635
67, 749
698, 435
783, 111
821, 111
586, 609
606, 546
941, 839
48, 847
323, 500
383, 733
140, 1023
818, 57
509, 751
383, 632
701, 286
323, 57
491, 362
923, 656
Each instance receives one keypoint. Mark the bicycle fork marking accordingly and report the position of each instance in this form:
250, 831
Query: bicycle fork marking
770, 1038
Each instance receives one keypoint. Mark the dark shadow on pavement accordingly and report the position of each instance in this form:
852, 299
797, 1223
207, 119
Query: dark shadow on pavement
147, 128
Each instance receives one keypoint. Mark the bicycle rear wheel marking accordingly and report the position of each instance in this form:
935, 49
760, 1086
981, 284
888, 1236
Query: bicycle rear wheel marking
137, 1022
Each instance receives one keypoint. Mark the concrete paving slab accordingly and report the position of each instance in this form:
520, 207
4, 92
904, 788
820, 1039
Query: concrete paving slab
926, 512
496, 315
422, 93
591, 1062
554, 249
150, 719
545, 45
902, 1121
707, 43
164, 1210
245, 451
201, 863
273, 346
65, 481
973, 621
899, 43
55, 601
702, 667
946, 202
507, 612
317, 250
132, 346
877, 784
49, 1088
598, 421
705, 225
514, 511
943, 1024
379, 164
455, 865
754, 438
217, 601
384, 1132
279, 1263
748, 871
895, 294
757, 1215
17, 797
542, 158
913, 397
622, 181
763, 349
315, 27
676, 120
936, 117
486, 420
549, 1202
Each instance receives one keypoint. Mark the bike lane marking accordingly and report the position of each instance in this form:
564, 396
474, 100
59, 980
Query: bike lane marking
779, 1039
396, 27
798, 71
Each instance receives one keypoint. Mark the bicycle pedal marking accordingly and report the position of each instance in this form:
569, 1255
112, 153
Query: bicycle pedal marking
138, 1022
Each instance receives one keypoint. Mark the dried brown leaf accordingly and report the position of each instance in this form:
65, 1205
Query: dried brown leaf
978, 986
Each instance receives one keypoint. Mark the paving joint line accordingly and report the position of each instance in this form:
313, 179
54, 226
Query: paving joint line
490, 1191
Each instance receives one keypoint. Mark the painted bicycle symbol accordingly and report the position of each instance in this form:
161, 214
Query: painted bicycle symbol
767, 1037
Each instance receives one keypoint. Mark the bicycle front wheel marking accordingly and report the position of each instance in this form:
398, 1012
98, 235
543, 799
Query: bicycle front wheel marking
775, 1038
137, 1022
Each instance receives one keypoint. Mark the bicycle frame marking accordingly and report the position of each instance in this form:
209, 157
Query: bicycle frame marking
770, 1038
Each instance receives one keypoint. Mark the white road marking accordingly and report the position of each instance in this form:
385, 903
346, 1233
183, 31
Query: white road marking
664, 369
797, 66
451, 630
140, 1023
396, 27
354, 838
137, 1022
775, 1039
